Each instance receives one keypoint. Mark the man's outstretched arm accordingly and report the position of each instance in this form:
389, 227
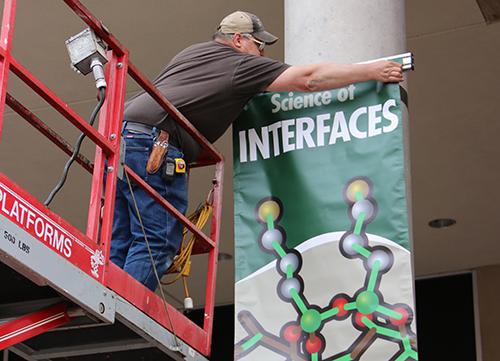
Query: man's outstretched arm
316, 77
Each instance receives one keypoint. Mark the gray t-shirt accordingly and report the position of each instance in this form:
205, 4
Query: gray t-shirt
209, 83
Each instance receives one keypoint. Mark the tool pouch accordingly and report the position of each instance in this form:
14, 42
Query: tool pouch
158, 153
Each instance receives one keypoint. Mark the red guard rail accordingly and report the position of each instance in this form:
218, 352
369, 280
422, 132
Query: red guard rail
107, 139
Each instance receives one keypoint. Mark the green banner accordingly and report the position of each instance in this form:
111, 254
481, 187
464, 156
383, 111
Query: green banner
323, 261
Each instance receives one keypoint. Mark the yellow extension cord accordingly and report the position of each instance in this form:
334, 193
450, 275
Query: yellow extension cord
181, 265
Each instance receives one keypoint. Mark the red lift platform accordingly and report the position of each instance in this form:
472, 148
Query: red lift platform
62, 298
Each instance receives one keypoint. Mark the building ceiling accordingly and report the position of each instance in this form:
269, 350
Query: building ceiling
453, 120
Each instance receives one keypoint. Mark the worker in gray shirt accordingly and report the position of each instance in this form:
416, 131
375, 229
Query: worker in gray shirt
209, 83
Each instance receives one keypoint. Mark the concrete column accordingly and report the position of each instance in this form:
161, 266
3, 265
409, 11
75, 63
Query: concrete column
348, 31
343, 31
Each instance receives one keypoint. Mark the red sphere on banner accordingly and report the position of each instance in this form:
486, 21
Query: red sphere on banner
340, 302
313, 344
358, 319
403, 320
292, 333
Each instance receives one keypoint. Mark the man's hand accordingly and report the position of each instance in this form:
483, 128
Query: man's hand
387, 71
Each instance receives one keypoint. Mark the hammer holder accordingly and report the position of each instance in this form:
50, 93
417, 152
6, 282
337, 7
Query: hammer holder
158, 153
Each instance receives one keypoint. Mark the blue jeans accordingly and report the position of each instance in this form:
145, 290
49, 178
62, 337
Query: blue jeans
164, 232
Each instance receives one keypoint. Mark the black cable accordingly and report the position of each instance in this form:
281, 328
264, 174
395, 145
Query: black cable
76, 150
155, 271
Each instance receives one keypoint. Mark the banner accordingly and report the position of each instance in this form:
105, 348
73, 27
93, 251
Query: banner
323, 261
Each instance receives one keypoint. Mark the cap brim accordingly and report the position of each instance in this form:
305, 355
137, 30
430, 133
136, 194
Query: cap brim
266, 37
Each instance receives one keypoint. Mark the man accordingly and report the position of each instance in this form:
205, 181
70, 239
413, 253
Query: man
209, 83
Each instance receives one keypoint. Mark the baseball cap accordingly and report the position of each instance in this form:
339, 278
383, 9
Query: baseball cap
243, 22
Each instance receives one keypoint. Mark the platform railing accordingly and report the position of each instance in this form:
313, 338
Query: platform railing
107, 140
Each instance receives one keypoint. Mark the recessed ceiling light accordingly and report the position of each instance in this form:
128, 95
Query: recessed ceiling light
442, 222
224, 257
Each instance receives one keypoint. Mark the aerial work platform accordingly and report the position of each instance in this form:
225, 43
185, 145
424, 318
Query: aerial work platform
62, 296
